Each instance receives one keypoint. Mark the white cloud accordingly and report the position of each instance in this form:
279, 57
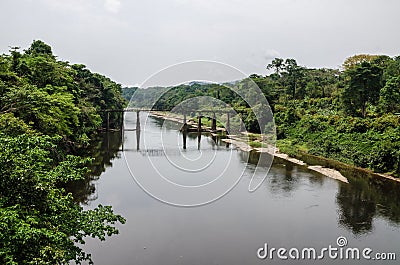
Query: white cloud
112, 6
271, 54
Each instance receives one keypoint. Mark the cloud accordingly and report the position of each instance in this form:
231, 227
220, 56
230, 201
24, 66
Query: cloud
112, 6
271, 54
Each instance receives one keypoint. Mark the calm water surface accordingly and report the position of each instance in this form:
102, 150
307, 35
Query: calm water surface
292, 208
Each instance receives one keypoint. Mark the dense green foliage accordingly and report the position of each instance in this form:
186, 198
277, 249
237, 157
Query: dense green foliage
350, 115
48, 111
357, 123
127, 92
54, 97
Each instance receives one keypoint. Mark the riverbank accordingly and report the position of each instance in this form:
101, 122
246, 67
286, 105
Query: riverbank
248, 142
242, 142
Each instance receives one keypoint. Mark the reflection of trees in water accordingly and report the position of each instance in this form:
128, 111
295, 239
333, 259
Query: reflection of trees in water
254, 158
315, 178
357, 208
103, 149
365, 198
282, 177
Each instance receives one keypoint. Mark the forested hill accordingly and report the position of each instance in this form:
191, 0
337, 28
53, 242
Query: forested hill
48, 110
349, 114
40, 93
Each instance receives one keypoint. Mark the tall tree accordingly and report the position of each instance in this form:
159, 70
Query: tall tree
38, 47
363, 86
293, 73
390, 95
356, 60
277, 64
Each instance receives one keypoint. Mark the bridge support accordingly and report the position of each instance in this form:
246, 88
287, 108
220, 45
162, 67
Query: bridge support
214, 123
184, 130
138, 120
184, 138
198, 140
228, 123
137, 130
199, 131
122, 121
199, 124
242, 128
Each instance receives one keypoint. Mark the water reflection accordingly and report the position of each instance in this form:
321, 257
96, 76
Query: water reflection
366, 197
104, 148
293, 207
360, 202
284, 181
282, 178
357, 208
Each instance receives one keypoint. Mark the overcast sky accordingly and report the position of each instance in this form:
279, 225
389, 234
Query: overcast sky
131, 40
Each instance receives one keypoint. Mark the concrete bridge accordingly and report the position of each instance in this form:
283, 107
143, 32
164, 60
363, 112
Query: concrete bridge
185, 129
184, 112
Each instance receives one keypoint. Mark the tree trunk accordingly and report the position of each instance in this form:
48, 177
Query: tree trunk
294, 89
364, 103
364, 109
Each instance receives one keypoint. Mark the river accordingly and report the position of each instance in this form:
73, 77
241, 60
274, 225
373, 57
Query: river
293, 208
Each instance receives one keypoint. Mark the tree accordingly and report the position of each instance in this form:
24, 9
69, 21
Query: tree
391, 69
16, 56
363, 86
293, 73
277, 64
48, 109
320, 82
39, 222
356, 60
51, 113
38, 47
390, 95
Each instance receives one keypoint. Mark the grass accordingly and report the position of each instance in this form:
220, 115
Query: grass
290, 148
257, 144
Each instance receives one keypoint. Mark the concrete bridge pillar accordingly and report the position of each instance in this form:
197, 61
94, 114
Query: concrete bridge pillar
214, 123
228, 123
199, 123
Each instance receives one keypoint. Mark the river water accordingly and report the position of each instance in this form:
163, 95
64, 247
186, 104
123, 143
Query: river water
293, 208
